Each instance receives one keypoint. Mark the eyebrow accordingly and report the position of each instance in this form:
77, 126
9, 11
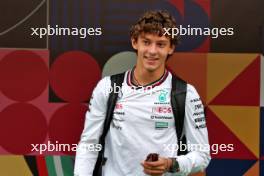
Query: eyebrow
162, 41
143, 37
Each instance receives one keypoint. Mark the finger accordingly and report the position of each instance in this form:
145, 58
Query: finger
153, 172
162, 168
145, 166
159, 168
154, 163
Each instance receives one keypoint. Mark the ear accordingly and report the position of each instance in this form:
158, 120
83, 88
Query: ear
134, 43
171, 50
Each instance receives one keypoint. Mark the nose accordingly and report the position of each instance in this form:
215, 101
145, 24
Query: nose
152, 49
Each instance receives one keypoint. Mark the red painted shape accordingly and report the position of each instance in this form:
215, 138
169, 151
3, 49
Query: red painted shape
22, 125
244, 90
74, 75
66, 125
41, 164
23, 75
220, 134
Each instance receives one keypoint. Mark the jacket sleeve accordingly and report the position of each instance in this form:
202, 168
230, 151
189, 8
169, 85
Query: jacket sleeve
88, 147
196, 133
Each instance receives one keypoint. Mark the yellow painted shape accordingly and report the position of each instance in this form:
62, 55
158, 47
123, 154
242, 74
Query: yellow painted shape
243, 121
13, 165
253, 171
222, 69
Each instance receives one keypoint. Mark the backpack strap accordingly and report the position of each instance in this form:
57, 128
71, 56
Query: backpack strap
116, 81
178, 98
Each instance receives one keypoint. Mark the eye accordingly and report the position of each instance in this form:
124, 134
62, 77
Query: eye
146, 42
161, 45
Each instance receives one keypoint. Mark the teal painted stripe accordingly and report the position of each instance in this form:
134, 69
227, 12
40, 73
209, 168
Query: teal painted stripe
67, 165
50, 166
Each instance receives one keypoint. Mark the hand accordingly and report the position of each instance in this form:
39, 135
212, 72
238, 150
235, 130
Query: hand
156, 168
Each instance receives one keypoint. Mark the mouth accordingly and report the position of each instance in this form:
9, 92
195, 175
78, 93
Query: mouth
152, 59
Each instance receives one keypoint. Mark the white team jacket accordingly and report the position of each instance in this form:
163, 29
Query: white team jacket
143, 123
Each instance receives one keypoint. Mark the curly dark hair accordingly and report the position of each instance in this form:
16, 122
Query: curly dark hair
153, 22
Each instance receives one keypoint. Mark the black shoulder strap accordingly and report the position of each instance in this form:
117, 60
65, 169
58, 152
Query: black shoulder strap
178, 97
116, 81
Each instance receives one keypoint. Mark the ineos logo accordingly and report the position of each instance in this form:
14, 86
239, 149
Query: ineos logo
162, 110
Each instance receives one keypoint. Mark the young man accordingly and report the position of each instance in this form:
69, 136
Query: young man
143, 120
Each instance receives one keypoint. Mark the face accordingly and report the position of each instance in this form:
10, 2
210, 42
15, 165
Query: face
152, 51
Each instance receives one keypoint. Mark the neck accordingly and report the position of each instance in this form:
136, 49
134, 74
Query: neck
144, 77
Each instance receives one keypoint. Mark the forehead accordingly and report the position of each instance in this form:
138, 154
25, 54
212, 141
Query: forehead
154, 37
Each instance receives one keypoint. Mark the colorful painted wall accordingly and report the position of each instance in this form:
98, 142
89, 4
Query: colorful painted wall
46, 83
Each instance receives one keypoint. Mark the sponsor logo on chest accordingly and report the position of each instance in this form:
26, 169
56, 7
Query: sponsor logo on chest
163, 97
161, 125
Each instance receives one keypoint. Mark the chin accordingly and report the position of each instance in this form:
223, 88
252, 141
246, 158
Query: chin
151, 68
